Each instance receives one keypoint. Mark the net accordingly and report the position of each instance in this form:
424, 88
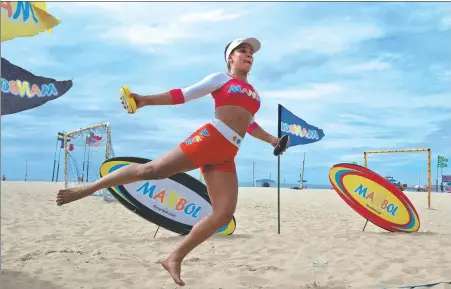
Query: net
87, 149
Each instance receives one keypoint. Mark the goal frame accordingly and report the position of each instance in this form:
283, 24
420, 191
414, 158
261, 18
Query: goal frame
69, 134
405, 151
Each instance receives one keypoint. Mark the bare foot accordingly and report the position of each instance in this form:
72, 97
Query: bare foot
174, 268
69, 195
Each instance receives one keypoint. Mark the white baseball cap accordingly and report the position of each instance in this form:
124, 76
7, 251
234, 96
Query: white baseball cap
234, 44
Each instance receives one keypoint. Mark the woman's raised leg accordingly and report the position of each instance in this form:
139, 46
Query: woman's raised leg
165, 166
223, 191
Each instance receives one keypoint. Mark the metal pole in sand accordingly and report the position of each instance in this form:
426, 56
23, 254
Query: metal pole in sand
279, 135
156, 232
253, 174
301, 182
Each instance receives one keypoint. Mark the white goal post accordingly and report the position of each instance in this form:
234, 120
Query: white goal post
78, 139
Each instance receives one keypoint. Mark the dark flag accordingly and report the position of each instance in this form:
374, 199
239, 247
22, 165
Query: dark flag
299, 131
22, 90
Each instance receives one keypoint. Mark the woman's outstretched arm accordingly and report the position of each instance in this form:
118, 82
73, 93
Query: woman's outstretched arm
182, 95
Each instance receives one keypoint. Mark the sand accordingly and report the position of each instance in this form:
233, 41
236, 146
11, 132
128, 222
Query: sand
94, 244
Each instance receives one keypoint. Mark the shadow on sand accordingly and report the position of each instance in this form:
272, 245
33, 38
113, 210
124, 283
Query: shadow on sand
394, 234
10, 279
214, 237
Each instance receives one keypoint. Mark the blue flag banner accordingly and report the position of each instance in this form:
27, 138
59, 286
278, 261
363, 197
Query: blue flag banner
300, 132
22, 90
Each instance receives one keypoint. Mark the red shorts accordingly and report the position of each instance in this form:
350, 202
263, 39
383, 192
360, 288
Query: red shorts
213, 147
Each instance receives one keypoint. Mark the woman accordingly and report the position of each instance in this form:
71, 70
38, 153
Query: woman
212, 148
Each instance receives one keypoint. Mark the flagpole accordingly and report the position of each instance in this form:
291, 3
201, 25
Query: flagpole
436, 180
292, 123
84, 161
87, 164
301, 185
253, 174
58, 168
26, 169
278, 167
54, 158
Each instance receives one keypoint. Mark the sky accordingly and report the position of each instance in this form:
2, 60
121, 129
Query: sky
373, 76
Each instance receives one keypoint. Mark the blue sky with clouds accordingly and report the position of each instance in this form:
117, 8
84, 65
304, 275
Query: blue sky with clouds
371, 75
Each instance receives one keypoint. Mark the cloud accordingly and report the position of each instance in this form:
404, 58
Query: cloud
86, 7
446, 76
289, 64
385, 131
328, 38
45, 60
372, 65
141, 35
446, 23
24, 127
210, 16
334, 38
145, 33
314, 91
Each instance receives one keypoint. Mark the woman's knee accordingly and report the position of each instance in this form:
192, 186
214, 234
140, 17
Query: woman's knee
150, 171
224, 217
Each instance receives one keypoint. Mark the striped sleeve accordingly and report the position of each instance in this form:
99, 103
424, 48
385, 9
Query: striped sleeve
206, 86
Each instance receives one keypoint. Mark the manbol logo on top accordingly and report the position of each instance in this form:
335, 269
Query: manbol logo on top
248, 92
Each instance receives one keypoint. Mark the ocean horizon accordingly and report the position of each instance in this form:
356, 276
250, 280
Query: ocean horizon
273, 184
321, 186
286, 185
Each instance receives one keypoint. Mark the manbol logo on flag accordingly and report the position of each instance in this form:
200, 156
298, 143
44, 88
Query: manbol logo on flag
22, 90
300, 132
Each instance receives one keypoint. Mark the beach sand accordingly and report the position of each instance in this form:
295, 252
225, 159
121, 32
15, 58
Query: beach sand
94, 244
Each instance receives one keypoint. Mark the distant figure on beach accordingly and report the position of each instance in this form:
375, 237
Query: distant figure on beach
212, 148
3, 178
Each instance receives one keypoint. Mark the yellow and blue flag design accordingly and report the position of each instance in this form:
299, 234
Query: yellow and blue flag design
25, 19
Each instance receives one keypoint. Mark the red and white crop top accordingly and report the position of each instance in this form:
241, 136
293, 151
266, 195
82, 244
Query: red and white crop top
225, 89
